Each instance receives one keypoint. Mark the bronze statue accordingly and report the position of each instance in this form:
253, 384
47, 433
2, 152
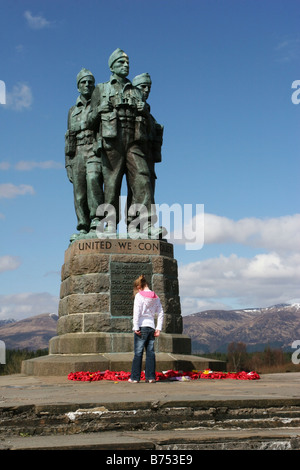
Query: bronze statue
118, 119
111, 133
152, 146
83, 166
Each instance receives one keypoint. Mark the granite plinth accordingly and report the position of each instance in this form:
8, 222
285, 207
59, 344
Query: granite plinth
63, 364
96, 305
97, 281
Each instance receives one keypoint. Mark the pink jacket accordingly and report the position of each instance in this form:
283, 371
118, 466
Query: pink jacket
146, 306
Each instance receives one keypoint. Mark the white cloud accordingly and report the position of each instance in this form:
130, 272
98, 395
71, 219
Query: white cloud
261, 281
238, 282
19, 48
4, 166
280, 234
191, 305
28, 304
31, 165
9, 263
9, 190
273, 267
19, 98
287, 50
36, 22
24, 165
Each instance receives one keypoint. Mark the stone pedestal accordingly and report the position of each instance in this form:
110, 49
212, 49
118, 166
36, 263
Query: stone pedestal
96, 306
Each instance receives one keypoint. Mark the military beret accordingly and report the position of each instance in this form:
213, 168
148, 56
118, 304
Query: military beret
143, 78
116, 55
84, 73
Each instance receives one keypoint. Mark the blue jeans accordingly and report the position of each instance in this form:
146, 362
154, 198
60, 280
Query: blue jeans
145, 341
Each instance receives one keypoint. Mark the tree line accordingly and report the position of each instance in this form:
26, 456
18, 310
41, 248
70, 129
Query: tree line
14, 358
236, 358
267, 361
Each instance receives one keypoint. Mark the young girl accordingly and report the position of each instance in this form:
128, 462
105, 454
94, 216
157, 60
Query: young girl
146, 306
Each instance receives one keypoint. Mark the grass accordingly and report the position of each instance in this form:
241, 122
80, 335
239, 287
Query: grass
269, 361
14, 358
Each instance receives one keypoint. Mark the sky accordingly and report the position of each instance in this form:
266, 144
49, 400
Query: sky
226, 87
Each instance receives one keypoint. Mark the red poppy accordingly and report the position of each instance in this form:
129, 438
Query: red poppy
87, 376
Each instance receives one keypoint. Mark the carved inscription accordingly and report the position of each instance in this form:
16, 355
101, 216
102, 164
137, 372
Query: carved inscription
122, 277
149, 247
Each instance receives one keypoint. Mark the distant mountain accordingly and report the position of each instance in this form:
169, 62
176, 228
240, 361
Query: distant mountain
212, 330
6, 322
31, 333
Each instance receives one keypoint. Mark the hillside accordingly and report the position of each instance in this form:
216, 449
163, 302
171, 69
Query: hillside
31, 333
212, 330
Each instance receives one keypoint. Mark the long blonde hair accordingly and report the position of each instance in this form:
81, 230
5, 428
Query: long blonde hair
139, 283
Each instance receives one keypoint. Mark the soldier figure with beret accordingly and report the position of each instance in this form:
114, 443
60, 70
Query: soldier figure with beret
82, 165
117, 109
154, 130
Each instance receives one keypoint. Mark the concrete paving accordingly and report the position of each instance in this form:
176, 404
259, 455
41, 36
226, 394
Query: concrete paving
155, 441
42, 392
20, 389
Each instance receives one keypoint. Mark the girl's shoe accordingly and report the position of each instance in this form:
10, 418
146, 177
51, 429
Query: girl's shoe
152, 381
133, 381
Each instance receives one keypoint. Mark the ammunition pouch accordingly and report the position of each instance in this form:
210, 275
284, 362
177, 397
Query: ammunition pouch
84, 137
98, 145
140, 129
109, 124
70, 143
157, 143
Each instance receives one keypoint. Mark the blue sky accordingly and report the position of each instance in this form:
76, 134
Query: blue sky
222, 74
